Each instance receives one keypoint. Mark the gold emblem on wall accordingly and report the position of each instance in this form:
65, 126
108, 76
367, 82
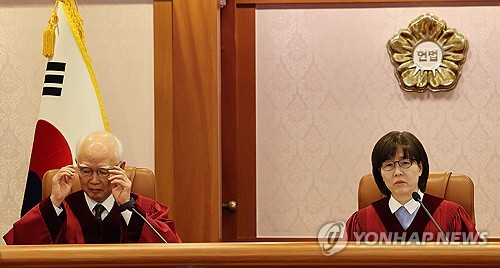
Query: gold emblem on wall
427, 55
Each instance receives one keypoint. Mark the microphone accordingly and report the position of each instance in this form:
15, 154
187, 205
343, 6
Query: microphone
130, 205
417, 198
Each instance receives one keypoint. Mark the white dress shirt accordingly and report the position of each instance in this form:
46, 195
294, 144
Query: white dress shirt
411, 207
108, 205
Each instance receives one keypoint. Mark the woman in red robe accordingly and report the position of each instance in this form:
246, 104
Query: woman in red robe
400, 168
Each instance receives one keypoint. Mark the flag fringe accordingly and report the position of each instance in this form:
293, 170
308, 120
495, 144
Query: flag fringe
49, 35
76, 25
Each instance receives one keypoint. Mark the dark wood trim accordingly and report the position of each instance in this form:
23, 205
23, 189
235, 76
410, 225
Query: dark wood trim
228, 120
245, 122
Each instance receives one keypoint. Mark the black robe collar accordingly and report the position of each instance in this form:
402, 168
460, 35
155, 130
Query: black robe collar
418, 224
94, 231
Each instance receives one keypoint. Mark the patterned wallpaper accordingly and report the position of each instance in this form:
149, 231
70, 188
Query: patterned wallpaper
119, 35
326, 92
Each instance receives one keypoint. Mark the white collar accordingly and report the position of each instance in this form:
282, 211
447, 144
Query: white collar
410, 206
108, 203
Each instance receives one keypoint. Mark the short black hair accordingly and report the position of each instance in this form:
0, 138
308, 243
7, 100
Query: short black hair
386, 148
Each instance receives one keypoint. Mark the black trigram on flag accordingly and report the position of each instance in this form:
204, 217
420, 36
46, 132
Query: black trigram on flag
54, 77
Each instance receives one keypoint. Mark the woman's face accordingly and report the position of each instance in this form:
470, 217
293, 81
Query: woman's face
401, 176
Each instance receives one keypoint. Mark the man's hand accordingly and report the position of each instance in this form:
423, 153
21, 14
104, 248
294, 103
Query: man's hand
121, 185
61, 184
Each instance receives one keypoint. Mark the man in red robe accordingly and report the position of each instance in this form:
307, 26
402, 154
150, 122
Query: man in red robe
97, 213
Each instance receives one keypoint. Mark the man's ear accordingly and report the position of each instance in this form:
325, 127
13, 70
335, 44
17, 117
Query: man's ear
122, 165
420, 167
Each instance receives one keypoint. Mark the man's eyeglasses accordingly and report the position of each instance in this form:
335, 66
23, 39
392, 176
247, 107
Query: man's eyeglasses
390, 165
103, 173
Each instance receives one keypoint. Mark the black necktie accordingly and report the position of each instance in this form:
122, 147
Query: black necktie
98, 209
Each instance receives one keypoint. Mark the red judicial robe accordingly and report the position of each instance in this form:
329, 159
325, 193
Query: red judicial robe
77, 225
377, 223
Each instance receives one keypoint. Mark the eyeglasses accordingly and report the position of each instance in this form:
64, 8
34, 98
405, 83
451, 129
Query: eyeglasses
103, 173
390, 165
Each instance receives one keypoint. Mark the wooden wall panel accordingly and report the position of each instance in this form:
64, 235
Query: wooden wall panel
196, 120
187, 115
163, 86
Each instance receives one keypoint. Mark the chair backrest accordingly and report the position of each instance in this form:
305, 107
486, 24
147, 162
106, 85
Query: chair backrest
457, 188
143, 182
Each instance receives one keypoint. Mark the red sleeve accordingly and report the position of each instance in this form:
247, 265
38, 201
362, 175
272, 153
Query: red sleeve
40, 225
352, 226
157, 215
462, 224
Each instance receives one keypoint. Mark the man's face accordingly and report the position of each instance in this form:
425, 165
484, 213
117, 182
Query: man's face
93, 163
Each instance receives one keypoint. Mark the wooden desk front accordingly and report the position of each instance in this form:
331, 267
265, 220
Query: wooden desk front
246, 254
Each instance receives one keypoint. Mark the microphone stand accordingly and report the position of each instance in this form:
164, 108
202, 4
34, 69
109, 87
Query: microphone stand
130, 205
417, 198
150, 226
